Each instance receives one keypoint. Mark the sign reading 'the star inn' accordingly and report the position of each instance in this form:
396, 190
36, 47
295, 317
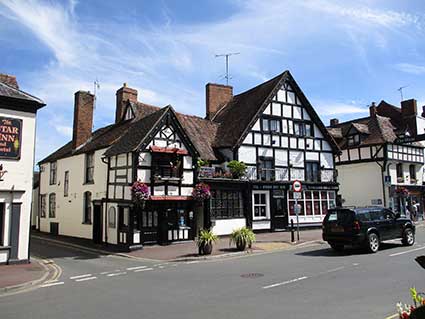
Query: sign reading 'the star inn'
10, 138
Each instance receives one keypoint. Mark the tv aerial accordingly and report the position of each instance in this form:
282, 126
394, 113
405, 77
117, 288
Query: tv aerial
227, 55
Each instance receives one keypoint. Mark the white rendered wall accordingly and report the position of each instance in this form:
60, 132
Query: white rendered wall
226, 226
70, 209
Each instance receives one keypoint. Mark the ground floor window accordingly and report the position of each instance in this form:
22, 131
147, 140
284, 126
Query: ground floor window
112, 217
313, 203
226, 204
52, 205
42, 206
1, 224
87, 208
260, 203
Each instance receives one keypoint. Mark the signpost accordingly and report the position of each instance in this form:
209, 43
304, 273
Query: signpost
297, 189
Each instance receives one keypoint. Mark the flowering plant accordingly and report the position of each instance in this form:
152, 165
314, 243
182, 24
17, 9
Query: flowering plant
201, 191
140, 191
404, 310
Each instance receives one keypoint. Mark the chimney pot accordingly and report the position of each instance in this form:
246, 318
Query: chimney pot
217, 95
83, 118
423, 111
334, 122
9, 80
124, 95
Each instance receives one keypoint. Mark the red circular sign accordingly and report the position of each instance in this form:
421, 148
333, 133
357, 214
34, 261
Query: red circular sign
297, 186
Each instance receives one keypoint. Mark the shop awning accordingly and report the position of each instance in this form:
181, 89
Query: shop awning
170, 150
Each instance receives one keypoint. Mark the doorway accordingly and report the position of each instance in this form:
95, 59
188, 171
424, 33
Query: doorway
97, 224
1, 224
279, 211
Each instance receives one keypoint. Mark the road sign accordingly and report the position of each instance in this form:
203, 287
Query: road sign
297, 195
297, 186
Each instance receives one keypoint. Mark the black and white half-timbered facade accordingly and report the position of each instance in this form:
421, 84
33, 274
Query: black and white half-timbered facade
272, 128
382, 157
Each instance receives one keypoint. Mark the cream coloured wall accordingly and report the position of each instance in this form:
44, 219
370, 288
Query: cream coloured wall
360, 183
69, 210
19, 177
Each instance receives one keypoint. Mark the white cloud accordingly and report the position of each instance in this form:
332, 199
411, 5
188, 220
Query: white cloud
411, 68
332, 108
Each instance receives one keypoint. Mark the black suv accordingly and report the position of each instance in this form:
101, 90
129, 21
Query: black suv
366, 226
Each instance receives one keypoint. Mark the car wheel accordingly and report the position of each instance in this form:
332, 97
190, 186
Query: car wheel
337, 247
408, 237
373, 242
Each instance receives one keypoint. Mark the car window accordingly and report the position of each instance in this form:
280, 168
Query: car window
388, 214
343, 216
363, 216
377, 215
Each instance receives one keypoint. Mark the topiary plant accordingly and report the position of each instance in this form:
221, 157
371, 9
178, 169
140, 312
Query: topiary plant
238, 169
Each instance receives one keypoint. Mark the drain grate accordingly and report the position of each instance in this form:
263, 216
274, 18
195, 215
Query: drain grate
252, 275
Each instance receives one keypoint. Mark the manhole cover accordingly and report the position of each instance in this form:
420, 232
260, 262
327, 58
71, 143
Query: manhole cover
252, 275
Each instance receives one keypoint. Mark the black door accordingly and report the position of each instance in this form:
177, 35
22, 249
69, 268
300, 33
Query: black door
279, 216
97, 224
14, 230
149, 226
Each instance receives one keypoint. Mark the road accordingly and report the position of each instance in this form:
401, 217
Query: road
309, 282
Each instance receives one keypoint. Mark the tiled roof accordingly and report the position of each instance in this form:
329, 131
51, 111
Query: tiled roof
235, 117
362, 128
12, 92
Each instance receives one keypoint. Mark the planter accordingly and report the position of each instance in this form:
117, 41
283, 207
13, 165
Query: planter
206, 249
418, 313
241, 245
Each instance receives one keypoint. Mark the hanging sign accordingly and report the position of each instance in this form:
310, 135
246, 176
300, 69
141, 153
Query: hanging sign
297, 186
10, 137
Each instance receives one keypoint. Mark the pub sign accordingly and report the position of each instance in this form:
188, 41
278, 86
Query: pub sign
10, 137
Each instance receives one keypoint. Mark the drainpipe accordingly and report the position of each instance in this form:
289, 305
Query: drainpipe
106, 161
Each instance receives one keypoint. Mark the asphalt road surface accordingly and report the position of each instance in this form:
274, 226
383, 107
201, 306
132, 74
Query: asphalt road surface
309, 282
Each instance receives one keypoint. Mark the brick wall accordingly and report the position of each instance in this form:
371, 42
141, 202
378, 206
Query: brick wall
83, 118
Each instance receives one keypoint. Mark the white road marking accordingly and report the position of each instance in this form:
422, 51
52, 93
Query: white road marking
406, 252
192, 262
285, 282
80, 276
87, 278
355, 264
334, 269
144, 269
117, 274
52, 284
160, 267
134, 268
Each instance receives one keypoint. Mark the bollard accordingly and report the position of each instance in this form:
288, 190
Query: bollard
292, 231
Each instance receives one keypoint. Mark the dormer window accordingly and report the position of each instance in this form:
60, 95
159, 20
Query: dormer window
128, 114
353, 140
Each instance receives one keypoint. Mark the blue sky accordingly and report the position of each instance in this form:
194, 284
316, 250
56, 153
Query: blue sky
343, 54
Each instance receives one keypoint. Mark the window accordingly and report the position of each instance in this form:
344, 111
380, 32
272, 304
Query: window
399, 169
412, 171
260, 205
312, 172
353, 139
313, 202
87, 208
271, 125
53, 167
52, 206
43, 206
226, 204
89, 168
167, 165
112, 217
2, 224
303, 129
66, 184
267, 172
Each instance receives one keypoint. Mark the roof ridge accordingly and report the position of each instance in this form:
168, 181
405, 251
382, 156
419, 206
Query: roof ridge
24, 93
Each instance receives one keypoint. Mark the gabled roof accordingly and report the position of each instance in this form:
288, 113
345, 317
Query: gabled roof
12, 92
361, 128
240, 114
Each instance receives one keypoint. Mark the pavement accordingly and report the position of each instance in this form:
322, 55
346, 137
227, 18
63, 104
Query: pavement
187, 251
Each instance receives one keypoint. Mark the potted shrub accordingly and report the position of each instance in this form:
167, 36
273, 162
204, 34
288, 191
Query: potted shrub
238, 169
242, 237
205, 241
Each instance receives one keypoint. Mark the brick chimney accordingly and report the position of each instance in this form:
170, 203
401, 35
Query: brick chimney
83, 118
409, 111
217, 95
372, 110
334, 122
9, 80
124, 95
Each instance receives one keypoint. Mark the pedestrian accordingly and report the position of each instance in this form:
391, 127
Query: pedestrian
415, 210
408, 211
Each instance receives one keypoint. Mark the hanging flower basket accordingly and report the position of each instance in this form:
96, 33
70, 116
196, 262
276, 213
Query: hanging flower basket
201, 192
140, 193
402, 191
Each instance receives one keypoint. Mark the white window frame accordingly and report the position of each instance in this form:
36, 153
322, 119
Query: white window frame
267, 205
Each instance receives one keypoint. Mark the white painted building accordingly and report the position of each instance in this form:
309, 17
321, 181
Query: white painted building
18, 111
380, 162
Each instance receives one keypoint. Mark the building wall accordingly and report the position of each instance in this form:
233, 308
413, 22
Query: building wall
360, 183
226, 226
19, 178
70, 209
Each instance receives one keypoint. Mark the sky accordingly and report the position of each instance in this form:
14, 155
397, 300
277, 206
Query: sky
343, 54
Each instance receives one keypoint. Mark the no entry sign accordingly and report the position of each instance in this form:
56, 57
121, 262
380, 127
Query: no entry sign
297, 186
